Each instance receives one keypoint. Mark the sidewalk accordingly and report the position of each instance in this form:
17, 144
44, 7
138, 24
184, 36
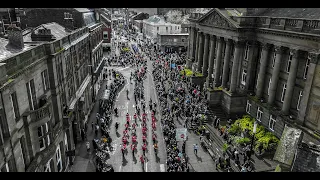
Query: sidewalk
202, 162
83, 161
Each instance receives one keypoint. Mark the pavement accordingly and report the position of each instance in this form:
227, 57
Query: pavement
200, 162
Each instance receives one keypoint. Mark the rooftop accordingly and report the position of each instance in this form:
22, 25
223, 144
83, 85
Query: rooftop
7, 51
305, 13
57, 31
178, 34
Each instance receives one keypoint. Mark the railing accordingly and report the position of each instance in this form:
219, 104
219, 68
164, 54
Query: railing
40, 113
290, 24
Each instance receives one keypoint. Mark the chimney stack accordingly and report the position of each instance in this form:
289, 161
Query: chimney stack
15, 36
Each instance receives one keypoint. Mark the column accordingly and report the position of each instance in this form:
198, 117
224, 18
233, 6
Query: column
226, 61
262, 69
275, 74
235, 65
211, 58
291, 81
218, 63
205, 55
200, 52
190, 48
189, 44
192, 44
197, 47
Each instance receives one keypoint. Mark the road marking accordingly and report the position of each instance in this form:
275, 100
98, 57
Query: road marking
146, 166
217, 149
162, 168
127, 107
122, 90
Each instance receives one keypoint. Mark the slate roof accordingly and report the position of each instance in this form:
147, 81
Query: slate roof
57, 31
9, 51
305, 13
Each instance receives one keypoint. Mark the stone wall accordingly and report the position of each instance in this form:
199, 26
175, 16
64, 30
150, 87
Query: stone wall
313, 106
307, 159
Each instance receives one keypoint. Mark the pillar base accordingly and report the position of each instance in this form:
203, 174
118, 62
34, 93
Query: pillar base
233, 104
198, 80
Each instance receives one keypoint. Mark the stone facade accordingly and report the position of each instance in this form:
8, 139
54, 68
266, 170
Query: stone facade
260, 65
36, 85
173, 42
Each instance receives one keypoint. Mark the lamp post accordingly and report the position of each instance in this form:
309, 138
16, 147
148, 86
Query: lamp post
254, 132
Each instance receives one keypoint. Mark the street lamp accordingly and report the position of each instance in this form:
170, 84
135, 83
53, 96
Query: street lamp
254, 132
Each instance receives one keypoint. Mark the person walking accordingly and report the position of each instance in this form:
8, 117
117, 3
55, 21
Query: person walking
195, 148
88, 146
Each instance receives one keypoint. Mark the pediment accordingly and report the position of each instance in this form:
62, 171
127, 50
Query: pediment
217, 19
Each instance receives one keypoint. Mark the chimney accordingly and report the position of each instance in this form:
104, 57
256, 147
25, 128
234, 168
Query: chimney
43, 34
15, 36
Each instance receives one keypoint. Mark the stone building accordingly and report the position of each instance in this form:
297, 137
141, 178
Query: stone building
46, 92
263, 62
171, 43
97, 59
105, 19
155, 25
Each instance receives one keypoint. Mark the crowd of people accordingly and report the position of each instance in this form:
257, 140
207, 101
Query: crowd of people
102, 146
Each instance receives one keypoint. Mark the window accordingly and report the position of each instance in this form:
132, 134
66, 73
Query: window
105, 35
269, 86
272, 122
18, 19
284, 88
299, 100
248, 108
244, 77
45, 80
274, 59
246, 52
289, 62
15, 106
47, 167
166, 29
259, 114
306, 68
58, 157
44, 141
31, 95
175, 40
157, 28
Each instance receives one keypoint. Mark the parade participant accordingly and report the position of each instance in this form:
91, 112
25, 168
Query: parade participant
144, 148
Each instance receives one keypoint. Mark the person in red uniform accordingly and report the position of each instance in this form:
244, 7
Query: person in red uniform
144, 138
144, 148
